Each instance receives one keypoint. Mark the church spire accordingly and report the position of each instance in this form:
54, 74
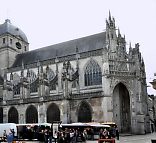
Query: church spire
119, 34
111, 37
130, 45
110, 16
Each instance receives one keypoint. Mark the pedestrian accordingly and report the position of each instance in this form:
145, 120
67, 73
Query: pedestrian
13, 132
117, 133
10, 137
46, 135
4, 135
61, 138
85, 136
55, 136
105, 134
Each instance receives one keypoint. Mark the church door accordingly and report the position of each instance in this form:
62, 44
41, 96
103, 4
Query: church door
121, 108
53, 113
31, 114
84, 113
13, 115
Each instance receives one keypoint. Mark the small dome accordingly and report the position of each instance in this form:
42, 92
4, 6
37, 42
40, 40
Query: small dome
7, 27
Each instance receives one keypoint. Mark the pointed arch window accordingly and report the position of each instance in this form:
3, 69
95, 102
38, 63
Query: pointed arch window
84, 113
16, 84
33, 76
50, 77
13, 115
93, 74
31, 114
16, 89
53, 113
74, 81
33, 82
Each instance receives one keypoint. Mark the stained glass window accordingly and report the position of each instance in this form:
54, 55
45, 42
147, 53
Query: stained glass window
33, 82
93, 74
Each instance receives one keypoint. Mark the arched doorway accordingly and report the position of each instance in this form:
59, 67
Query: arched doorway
121, 108
1, 115
31, 114
53, 113
13, 115
84, 113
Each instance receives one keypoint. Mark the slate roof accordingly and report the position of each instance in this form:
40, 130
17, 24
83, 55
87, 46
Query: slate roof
7, 27
84, 44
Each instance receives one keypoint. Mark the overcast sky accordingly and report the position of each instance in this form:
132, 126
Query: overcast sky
47, 22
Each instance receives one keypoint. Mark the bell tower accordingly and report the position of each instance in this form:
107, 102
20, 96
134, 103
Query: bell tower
13, 41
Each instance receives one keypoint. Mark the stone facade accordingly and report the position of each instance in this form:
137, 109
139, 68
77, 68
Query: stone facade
88, 79
152, 113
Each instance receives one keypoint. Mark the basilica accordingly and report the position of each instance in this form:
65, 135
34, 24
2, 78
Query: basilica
94, 78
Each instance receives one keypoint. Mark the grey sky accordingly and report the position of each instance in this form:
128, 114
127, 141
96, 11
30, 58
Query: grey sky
46, 22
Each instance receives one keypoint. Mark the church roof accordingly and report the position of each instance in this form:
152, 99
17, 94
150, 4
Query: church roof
80, 45
7, 27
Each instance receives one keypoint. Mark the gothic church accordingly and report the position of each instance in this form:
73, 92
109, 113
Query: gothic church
94, 78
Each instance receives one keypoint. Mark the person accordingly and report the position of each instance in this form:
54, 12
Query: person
105, 134
117, 133
92, 134
46, 135
13, 132
10, 137
4, 135
84, 136
61, 138
101, 134
55, 136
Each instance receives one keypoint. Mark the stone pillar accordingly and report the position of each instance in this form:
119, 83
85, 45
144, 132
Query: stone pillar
65, 111
21, 118
8, 91
41, 87
140, 124
42, 113
57, 73
66, 77
5, 114
24, 88
107, 109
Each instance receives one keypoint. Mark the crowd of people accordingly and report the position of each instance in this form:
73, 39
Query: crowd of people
74, 135
108, 134
46, 135
63, 135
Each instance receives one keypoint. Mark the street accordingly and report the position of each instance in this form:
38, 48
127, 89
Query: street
134, 139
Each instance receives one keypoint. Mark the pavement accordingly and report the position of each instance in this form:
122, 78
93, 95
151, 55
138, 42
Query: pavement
134, 139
